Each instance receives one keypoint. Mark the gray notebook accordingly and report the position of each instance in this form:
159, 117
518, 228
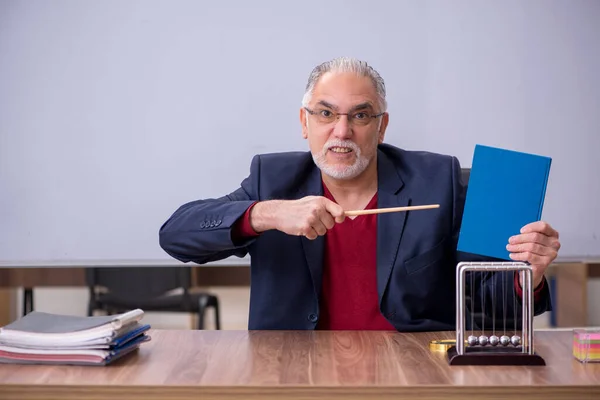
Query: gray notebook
40, 322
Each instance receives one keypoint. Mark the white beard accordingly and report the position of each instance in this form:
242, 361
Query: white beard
341, 171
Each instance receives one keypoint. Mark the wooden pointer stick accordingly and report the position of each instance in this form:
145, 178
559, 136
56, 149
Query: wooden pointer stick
388, 210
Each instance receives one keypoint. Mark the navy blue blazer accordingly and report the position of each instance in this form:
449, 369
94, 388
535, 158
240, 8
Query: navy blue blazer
416, 251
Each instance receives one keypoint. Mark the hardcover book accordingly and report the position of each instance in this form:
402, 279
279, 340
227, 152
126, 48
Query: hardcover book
506, 191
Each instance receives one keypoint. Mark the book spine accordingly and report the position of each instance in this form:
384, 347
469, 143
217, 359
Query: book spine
543, 194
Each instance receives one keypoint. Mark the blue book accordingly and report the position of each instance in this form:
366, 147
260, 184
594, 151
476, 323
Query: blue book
506, 191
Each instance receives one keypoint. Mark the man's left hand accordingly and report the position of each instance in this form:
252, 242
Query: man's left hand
538, 245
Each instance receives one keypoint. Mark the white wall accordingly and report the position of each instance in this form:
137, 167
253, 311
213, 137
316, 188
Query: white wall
113, 113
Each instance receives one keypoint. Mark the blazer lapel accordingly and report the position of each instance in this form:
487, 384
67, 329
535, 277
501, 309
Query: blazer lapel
390, 226
314, 250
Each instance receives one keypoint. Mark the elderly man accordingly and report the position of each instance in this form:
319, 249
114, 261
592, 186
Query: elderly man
313, 267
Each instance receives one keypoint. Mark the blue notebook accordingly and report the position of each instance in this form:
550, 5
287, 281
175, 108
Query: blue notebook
506, 191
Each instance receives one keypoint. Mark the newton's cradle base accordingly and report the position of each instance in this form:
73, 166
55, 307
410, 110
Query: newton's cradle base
493, 356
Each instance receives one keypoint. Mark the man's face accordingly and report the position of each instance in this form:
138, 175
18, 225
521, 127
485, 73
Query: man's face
345, 146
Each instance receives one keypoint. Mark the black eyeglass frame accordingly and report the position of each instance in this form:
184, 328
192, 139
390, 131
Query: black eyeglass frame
337, 114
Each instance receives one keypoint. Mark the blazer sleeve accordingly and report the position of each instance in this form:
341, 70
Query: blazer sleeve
201, 230
495, 295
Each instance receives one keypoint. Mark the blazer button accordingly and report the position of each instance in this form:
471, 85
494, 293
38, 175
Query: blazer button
218, 222
202, 224
312, 317
212, 224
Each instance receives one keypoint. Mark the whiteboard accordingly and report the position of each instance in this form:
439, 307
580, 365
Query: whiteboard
114, 113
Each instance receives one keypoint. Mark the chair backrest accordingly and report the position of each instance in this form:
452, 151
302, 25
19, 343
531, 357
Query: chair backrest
465, 174
139, 282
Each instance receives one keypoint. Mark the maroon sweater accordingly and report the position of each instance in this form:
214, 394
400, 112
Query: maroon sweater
349, 299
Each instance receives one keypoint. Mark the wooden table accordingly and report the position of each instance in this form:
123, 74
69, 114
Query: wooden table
304, 365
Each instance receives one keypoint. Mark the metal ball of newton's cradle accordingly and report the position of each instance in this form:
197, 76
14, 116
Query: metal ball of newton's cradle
515, 340
483, 340
472, 340
504, 340
494, 340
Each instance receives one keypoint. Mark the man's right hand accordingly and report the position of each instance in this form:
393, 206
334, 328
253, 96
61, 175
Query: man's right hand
309, 216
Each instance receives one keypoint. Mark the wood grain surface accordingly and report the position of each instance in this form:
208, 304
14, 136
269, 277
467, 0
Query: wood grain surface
304, 365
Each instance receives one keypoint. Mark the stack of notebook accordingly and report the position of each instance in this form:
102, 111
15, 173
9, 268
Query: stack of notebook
42, 338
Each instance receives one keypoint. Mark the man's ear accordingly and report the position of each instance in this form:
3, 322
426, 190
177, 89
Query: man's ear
304, 123
385, 119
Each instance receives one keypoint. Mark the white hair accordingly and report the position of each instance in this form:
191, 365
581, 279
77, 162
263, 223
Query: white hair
346, 64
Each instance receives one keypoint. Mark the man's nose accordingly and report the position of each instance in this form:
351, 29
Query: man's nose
342, 128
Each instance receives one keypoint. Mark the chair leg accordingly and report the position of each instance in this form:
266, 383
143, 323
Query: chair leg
202, 302
201, 319
92, 305
27, 301
217, 317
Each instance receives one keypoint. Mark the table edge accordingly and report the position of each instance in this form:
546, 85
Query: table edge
421, 392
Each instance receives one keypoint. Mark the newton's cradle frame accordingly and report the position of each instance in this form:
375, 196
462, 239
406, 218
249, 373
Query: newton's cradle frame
494, 349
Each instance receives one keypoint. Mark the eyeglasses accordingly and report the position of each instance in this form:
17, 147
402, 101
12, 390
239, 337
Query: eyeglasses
359, 118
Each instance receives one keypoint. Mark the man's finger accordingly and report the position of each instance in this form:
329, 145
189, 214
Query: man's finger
533, 237
531, 258
311, 234
534, 248
335, 210
319, 228
327, 220
541, 227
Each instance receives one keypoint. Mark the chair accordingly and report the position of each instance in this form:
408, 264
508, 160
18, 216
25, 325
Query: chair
465, 174
116, 290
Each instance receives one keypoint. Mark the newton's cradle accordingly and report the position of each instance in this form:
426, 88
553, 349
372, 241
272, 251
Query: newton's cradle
502, 346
